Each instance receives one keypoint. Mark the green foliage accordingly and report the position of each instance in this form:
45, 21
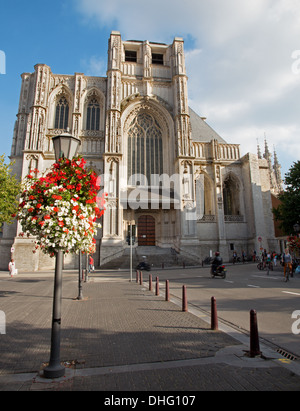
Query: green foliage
288, 212
9, 190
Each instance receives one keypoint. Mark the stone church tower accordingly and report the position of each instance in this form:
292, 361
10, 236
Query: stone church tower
166, 171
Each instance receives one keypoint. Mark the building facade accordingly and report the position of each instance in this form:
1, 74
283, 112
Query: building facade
166, 171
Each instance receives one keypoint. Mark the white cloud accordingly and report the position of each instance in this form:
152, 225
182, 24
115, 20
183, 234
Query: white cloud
95, 66
238, 55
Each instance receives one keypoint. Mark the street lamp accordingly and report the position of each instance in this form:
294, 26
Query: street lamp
65, 146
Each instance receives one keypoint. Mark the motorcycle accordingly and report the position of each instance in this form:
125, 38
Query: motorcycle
219, 271
143, 266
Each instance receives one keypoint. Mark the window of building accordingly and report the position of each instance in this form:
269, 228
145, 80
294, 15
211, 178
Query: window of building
145, 152
62, 114
231, 197
93, 115
157, 58
130, 56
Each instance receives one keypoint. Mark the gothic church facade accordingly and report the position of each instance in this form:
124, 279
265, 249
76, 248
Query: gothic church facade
166, 171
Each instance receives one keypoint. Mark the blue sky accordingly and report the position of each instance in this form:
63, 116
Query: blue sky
238, 56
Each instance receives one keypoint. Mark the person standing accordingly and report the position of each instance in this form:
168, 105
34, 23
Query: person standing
12, 268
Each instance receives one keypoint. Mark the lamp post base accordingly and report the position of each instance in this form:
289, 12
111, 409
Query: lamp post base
54, 371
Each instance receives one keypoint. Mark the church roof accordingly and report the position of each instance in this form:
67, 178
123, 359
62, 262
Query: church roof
201, 131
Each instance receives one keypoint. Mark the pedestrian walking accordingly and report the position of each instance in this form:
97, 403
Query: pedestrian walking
275, 259
234, 257
12, 268
91, 264
287, 263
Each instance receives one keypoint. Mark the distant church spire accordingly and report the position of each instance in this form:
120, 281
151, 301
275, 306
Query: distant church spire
277, 171
276, 183
258, 150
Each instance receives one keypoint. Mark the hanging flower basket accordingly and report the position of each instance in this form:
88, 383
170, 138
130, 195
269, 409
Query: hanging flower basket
60, 208
294, 243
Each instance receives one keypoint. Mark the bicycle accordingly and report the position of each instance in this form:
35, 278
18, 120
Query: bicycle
268, 266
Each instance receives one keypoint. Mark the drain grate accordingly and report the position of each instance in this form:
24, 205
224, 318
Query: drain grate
287, 355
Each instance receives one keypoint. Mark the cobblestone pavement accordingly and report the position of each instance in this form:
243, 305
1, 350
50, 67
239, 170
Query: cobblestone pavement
122, 337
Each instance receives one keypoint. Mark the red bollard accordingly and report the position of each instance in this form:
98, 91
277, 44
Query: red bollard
150, 282
214, 315
254, 339
184, 300
157, 286
167, 290
141, 277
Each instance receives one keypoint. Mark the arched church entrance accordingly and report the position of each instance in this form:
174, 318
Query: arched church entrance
146, 230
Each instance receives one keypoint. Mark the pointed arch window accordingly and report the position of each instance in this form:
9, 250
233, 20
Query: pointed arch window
62, 114
93, 115
231, 197
145, 148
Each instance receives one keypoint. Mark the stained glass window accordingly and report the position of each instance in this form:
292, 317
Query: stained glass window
62, 114
93, 115
145, 152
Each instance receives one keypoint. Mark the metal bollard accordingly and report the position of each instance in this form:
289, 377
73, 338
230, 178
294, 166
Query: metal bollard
254, 338
157, 286
214, 315
141, 277
184, 300
150, 282
167, 290
137, 276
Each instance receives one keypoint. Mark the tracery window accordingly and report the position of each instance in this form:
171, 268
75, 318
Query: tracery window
93, 115
145, 151
231, 197
62, 114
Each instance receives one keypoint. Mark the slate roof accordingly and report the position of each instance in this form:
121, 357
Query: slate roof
201, 131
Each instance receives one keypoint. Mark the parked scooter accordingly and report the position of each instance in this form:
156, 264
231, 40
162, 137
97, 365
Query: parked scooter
143, 266
219, 271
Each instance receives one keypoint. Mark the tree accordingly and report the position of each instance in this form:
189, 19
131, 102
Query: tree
9, 190
288, 212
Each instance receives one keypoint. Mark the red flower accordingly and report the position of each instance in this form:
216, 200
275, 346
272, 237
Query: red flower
61, 223
55, 197
47, 217
56, 209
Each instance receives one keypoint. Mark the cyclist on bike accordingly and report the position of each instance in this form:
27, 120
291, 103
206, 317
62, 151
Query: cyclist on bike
287, 263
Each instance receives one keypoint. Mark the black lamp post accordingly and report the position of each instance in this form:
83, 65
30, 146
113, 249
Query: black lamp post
65, 146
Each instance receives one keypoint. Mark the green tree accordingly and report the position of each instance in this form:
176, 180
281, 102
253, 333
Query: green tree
288, 212
9, 191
